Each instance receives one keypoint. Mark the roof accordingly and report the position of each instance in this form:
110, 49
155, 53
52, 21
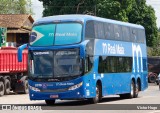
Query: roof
17, 31
83, 18
14, 21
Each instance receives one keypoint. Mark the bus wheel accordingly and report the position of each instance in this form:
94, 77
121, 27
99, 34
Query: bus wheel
50, 102
7, 87
133, 93
1, 88
98, 97
137, 89
26, 90
134, 90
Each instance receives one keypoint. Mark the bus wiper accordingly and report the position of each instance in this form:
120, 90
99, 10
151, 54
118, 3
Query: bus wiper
36, 77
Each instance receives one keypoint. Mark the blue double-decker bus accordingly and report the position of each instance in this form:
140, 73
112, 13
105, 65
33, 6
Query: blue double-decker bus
85, 57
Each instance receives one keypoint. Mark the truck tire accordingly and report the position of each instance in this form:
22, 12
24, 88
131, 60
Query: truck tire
7, 85
26, 90
1, 88
152, 78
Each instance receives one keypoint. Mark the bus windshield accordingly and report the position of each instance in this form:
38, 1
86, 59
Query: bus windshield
55, 64
56, 34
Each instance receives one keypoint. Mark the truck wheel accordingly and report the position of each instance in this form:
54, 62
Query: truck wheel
26, 90
152, 78
7, 86
1, 88
50, 102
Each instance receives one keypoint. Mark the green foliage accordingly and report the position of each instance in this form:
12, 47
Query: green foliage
105, 9
57, 7
15, 7
133, 11
145, 16
155, 50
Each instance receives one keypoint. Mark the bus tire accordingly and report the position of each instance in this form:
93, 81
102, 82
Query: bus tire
137, 89
133, 93
26, 89
1, 88
98, 96
50, 102
7, 85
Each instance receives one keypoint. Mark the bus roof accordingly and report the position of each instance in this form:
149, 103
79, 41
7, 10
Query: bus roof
83, 18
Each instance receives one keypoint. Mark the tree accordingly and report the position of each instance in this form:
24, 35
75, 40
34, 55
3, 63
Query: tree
105, 9
145, 16
15, 7
57, 7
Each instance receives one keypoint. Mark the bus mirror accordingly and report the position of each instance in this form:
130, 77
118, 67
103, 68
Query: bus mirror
20, 49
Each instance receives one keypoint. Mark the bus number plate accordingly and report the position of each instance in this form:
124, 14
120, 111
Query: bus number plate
53, 96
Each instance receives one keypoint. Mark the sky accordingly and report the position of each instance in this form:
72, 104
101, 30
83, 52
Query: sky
38, 9
156, 5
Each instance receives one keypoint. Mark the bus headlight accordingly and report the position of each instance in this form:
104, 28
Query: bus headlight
75, 86
34, 88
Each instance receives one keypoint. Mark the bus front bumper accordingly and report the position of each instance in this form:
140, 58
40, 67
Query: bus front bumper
73, 94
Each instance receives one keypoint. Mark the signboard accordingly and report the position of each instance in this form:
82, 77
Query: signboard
3, 36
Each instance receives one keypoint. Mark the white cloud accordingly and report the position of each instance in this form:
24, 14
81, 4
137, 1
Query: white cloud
37, 7
156, 5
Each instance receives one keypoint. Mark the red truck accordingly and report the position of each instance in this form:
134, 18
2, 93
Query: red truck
13, 74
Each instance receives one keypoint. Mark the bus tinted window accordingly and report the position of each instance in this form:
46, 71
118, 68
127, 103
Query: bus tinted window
56, 34
141, 36
125, 33
68, 33
117, 32
99, 30
111, 31
89, 31
106, 31
114, 64
42, 35
134, 35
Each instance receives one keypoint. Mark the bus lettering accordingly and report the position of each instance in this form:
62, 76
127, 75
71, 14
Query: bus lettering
113, 49
137, 52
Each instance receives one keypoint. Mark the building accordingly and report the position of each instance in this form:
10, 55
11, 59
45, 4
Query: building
18, 28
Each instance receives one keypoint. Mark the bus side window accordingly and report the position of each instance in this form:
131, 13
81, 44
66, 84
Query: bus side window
125, 34
99, 30
141, 36
117, 32
88, 63
111, 31
134, 35
89, 31
107, 34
